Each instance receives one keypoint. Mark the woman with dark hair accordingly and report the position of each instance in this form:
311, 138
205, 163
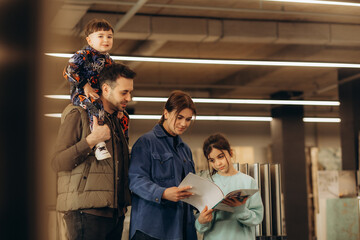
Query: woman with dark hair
159, 162
247, 213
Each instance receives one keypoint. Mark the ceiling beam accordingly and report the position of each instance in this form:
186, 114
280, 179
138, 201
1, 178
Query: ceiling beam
191, 29
250, 75
129, 15
261, 10
146, 48
67, 17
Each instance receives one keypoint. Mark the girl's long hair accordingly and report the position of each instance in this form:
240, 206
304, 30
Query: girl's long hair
219, 142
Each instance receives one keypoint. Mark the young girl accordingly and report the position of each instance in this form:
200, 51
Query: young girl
248, 212
159, 162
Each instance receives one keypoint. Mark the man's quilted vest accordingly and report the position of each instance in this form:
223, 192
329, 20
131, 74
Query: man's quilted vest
90, 184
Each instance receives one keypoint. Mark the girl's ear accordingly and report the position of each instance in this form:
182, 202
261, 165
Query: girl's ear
231, 153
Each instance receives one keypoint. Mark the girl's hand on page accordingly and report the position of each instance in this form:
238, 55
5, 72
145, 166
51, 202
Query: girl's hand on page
234, 201
176, 194
206, 215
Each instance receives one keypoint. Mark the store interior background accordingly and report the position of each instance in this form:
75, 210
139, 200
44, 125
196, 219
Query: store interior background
221, 29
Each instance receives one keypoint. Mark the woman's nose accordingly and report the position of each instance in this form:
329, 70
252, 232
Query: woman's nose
183, 122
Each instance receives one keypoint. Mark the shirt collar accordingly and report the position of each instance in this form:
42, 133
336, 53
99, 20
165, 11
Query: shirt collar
96, 52
159, 132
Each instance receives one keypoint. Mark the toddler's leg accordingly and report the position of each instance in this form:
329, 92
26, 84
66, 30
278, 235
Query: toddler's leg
94, 109
101, 152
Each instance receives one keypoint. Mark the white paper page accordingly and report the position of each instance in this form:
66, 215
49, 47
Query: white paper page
205, 192
224, 207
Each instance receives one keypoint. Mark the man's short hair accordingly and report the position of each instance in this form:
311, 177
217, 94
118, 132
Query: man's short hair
111, 73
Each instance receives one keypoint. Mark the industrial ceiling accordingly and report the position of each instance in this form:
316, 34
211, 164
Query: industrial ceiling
256, 30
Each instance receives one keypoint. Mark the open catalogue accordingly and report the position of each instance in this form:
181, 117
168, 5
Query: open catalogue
207, 193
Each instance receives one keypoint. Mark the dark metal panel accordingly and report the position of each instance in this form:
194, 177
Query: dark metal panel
349, 111
288, 149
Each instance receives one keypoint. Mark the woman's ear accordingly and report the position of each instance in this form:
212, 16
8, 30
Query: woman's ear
166, 114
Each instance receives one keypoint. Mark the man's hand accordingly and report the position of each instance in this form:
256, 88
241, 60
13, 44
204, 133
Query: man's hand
205, 215
90, 92
176, 194
99, 133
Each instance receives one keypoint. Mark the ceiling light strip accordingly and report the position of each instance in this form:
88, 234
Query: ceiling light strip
223, 61
67, 97
226, 101
53, 115
219, 118
322, 120
318, 2
234, 118
244, 101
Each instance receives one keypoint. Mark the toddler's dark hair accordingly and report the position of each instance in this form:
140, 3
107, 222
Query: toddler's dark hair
95, 25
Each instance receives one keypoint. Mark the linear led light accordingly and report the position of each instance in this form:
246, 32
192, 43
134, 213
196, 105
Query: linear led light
234, 118
67, 97
222, 61
244, 101
318, 2
227, 101
145, 117
53, 115
219, 118
322, 120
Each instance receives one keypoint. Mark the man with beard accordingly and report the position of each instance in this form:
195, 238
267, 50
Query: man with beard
93, 195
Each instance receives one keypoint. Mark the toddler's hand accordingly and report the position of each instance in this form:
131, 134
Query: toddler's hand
90, 92
205, 215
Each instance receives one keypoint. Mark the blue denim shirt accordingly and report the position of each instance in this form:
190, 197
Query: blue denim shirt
154, 166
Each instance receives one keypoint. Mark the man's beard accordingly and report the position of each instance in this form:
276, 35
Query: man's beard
119, 107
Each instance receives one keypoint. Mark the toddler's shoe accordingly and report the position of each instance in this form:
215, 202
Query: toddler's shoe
101, 152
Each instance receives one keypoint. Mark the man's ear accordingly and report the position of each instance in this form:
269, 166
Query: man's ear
105, 88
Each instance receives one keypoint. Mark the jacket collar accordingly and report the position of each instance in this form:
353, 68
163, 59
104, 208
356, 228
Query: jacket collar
96, 52
159, 132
